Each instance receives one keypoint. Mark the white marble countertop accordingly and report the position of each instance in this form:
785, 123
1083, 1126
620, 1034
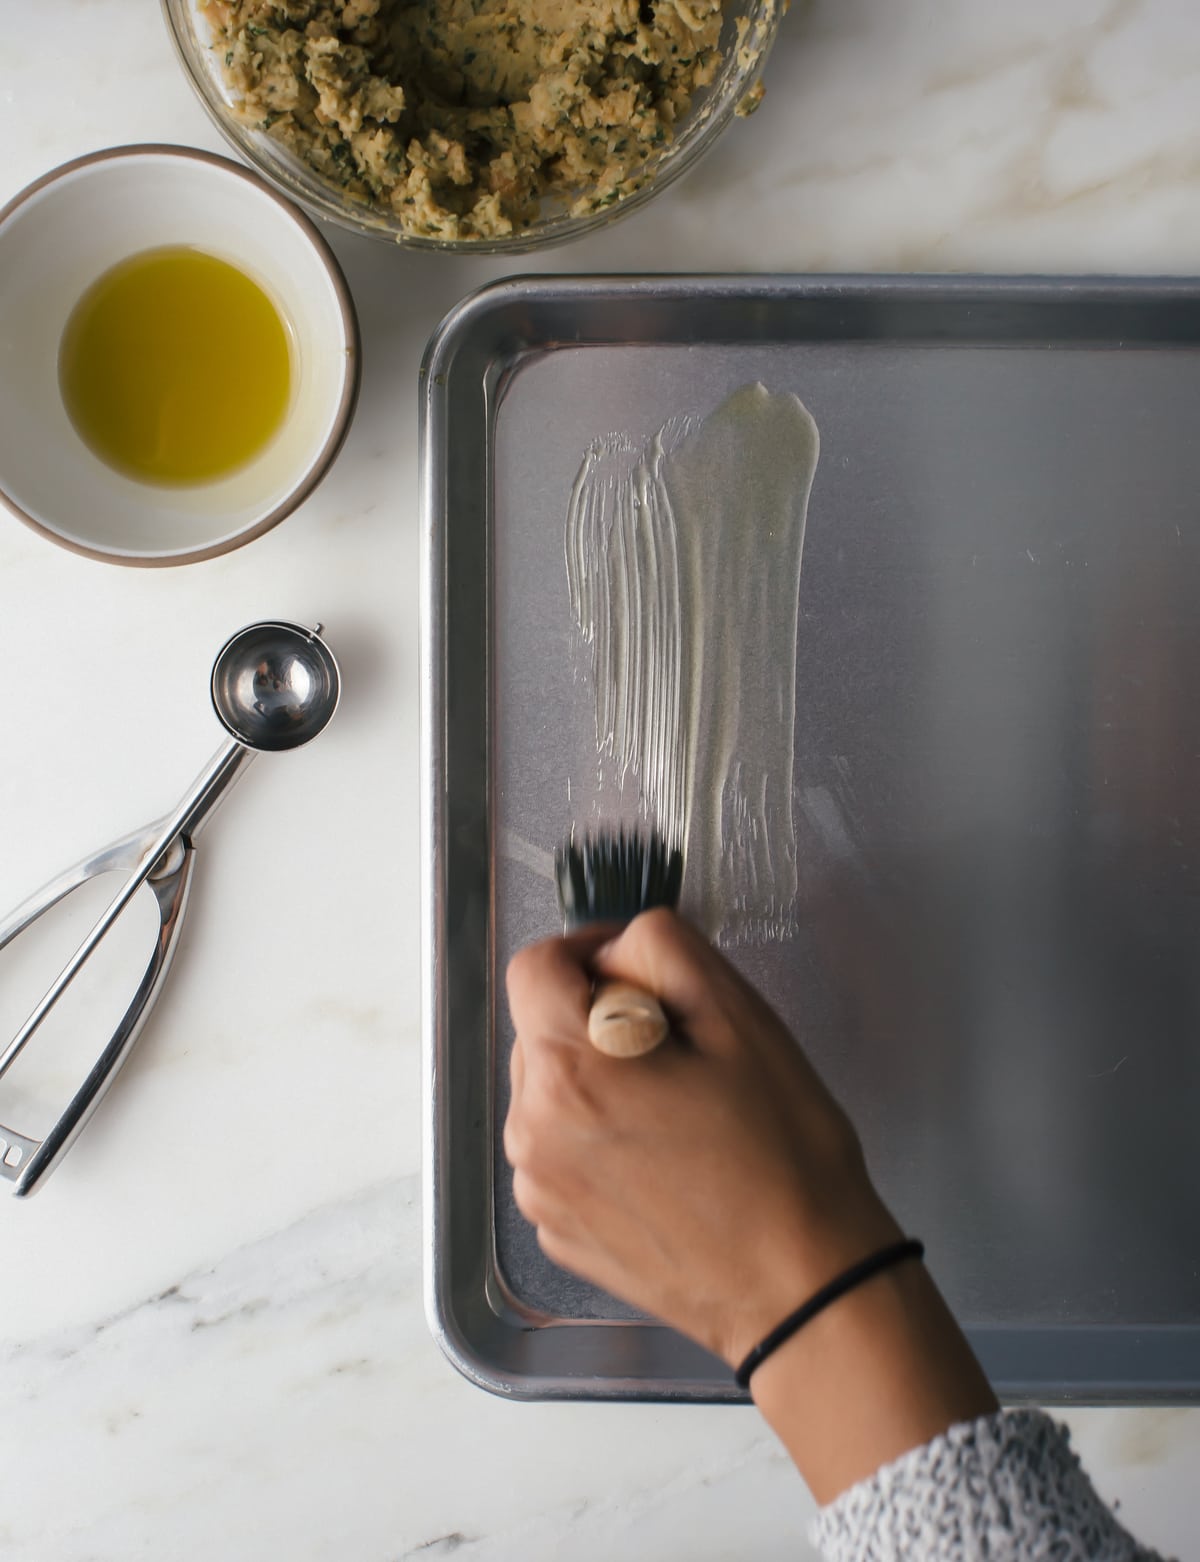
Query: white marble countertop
210, 1321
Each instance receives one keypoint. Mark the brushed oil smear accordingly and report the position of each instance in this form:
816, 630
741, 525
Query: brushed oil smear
683, 570
175, 367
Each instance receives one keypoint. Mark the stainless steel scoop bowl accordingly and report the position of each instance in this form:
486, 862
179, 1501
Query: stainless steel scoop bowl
274, 686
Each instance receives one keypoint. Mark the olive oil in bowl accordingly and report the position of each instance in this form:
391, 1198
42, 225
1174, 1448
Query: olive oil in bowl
175, 367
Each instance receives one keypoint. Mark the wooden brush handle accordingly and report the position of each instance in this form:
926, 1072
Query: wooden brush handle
625, 1022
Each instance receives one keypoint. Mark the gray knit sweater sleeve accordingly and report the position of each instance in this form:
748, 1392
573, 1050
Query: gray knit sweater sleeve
1005, 1488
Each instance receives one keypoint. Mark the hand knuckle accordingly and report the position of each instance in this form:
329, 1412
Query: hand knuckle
562, 1091
530, 966
517, 1145
526, 1196
520, 970
657, 926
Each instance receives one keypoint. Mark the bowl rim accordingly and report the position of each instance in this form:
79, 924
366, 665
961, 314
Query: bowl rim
322, 460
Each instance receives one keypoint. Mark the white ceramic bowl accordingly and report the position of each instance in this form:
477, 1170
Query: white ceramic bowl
60, 234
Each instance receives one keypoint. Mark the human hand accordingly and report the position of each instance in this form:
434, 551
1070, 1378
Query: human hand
714, 1183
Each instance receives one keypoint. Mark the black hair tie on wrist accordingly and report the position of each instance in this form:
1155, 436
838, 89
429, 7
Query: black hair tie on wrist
886, 1258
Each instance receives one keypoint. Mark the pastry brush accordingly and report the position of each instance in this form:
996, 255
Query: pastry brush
611, 878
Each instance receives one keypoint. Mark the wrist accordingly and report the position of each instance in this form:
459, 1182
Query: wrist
804, 1256
882, 1371
905, 1250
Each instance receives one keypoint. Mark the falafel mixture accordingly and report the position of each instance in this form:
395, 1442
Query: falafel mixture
460, 116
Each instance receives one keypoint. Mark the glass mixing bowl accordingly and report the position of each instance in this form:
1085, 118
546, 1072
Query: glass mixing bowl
734, 88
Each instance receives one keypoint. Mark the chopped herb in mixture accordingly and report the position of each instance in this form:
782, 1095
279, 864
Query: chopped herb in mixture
459, 116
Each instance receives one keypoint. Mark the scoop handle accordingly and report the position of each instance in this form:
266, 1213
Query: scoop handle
625, 1022
210, 786
27, 1161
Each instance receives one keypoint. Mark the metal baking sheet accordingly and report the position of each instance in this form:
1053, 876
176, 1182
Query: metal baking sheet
996, 964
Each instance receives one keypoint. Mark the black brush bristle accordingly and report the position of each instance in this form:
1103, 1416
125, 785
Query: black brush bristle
611, 878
